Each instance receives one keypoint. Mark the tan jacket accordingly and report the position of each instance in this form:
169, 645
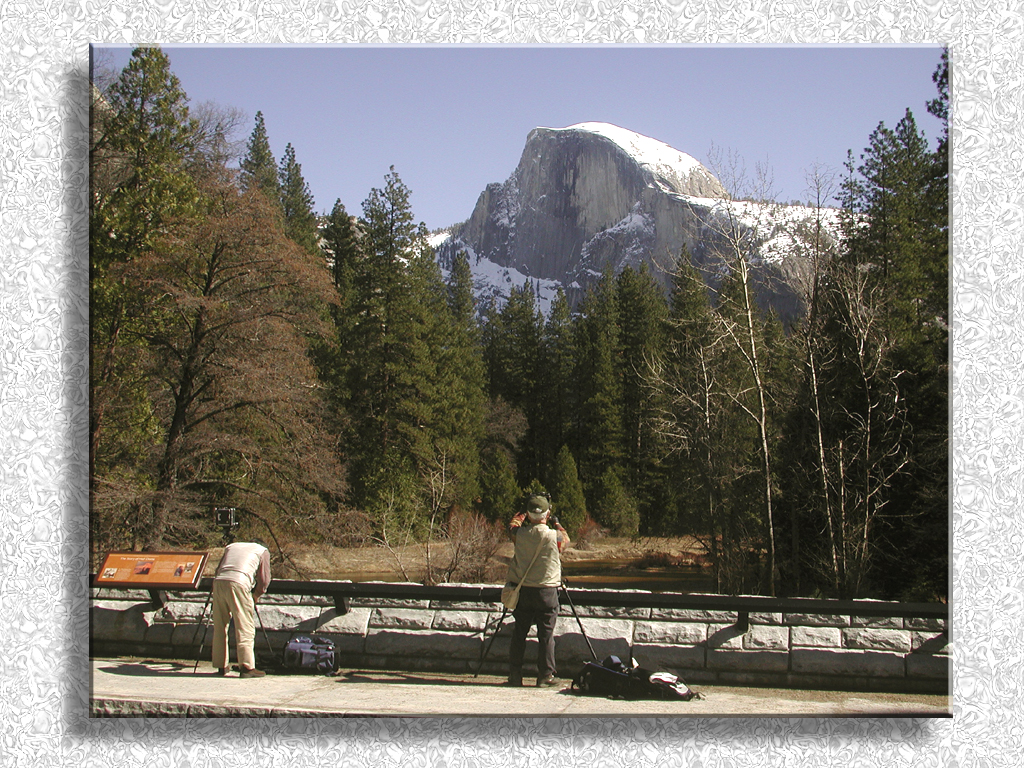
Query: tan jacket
246, 564
546, 571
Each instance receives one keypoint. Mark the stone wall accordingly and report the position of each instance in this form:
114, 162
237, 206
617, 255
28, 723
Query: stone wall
777, 649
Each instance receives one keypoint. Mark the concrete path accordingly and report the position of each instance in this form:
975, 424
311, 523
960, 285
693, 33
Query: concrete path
132, 687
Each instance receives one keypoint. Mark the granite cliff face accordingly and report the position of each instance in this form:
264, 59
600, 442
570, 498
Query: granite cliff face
594, 196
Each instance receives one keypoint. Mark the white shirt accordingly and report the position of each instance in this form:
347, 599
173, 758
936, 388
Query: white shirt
246, 564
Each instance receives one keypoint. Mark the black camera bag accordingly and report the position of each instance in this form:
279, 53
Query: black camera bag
617, 681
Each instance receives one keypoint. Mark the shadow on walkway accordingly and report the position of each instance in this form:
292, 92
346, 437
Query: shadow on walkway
148, 668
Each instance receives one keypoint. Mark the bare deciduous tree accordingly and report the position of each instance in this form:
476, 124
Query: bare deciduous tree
742, 223
228, 304
871, 449
852, 399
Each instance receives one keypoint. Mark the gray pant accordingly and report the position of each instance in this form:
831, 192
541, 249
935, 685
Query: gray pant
538, 606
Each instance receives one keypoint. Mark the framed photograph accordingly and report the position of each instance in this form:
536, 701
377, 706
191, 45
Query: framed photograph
721, 380
58, 529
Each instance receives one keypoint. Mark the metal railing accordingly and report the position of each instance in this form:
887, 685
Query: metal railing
343, 592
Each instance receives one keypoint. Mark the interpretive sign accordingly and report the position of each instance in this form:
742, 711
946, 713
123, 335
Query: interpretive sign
152, 570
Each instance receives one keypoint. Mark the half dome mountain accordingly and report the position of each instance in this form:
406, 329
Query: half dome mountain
594, 196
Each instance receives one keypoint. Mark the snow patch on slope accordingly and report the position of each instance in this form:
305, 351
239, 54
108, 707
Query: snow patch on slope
631, 235
492, 280
669, 167
780, 230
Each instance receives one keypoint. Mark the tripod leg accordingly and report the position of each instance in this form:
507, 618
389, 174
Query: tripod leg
565, 589
487, 648
199, 655
265, 637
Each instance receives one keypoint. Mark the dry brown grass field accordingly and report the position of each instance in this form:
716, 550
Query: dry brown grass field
609, 558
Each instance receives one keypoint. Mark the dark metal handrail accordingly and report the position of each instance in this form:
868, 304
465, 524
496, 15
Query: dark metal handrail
344, 591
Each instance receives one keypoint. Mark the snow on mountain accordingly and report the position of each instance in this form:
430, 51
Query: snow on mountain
781, 229
629, 235
492, 280
670, 168
437, 238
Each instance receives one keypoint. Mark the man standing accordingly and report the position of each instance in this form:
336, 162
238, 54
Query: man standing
242, 576
536, 563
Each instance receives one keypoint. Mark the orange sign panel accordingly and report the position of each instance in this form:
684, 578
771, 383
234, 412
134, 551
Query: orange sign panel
152, 570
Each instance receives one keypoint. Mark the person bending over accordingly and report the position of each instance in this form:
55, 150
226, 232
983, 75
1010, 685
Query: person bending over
241, 578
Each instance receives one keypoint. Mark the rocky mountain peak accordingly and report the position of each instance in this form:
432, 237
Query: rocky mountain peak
669, 169
594, 196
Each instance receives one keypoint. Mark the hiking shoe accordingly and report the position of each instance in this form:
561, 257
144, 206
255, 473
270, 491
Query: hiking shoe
547, 682
515, 682
252, 673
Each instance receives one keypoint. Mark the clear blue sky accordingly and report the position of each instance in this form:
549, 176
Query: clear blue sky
452, 119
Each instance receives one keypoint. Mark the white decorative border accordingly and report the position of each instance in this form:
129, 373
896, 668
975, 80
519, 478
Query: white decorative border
44, 683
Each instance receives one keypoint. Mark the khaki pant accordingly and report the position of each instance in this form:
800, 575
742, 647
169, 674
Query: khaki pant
233, 601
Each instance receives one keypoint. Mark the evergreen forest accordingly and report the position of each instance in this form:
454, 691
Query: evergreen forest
321, 371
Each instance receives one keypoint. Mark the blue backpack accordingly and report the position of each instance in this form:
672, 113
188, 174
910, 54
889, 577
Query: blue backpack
309, 654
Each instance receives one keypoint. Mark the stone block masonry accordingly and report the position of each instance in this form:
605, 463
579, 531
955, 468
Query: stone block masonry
711, 647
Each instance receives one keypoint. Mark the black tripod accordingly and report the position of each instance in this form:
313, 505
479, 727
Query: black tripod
486, 649
201, 623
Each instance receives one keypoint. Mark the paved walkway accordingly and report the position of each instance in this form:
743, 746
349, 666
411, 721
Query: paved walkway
132, 687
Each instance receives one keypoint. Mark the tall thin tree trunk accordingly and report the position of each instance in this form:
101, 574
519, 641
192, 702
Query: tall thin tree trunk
762, 419
823, 464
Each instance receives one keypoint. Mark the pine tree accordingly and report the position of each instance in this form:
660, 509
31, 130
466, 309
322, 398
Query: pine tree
342, 246
705, 439
300, 222
937, 265
558, 398
142, 141
462, 301
143, 135
445, 382
499, 492
644, 310
567, 492
435, 405
258, 169
884, 416
398, 303
598, 374
929, 540
614, 506
513, 347
333, 356
513, 357
464, 378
